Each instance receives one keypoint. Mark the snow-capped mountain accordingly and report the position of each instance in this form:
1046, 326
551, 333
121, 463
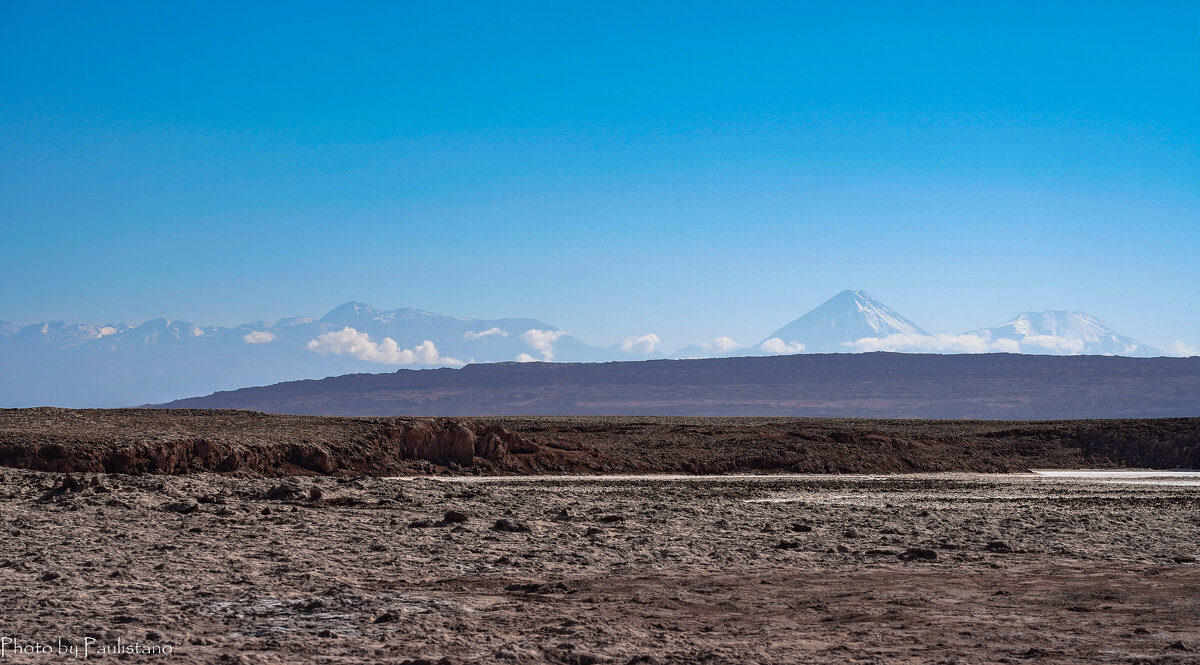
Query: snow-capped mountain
69, 364
1065, 333
845, 318
58, 334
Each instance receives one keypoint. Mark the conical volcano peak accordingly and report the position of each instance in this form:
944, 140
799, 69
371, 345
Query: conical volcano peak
349, 313
845, 318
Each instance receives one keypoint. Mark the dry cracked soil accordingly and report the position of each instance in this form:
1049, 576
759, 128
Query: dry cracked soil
942, 568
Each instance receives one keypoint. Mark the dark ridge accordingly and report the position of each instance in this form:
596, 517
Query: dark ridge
872, 385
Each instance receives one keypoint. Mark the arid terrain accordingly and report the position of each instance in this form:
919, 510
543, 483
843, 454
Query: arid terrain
238, 537
247, 442
851, 569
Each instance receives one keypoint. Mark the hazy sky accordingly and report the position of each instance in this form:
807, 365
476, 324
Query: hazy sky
690, 170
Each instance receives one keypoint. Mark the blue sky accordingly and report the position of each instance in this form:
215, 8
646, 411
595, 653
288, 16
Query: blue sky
688, 169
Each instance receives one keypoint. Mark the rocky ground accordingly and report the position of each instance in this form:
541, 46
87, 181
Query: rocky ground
829, 569
250, 443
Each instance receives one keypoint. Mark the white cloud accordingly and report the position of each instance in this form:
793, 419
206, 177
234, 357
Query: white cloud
643, 344
721, 344
350, 342
258, 337
542, 340
526, 358
966, 343
776, 345
1054, 343
485, 333
1185, 350
912, 342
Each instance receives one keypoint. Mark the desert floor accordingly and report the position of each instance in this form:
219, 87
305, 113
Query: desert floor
768, 569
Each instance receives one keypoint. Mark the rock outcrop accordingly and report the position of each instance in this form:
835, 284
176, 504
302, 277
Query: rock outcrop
135, 441
126, 441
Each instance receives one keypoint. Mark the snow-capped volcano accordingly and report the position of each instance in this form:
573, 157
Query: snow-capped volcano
847, 317
1063, 332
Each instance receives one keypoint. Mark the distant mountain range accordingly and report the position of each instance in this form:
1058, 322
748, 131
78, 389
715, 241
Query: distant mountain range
114, 364
65, 364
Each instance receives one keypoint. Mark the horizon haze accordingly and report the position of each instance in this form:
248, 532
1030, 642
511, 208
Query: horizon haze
113, 364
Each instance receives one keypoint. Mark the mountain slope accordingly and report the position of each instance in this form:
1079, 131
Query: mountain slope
847, 317
1065, 332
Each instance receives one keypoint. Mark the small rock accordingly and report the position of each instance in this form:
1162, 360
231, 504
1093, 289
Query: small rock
787, 545
999, 546
611, 519
918, 553
882, 551
266, 511
843, 548
419, 524
505, 524
224, 511
387, 617
181, 506
801, 527
282, 492
153, 635
455, 517
1178, 646
49, 576
850, 533
315, 493
326, 633
563, 515
534, 587
68, 484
